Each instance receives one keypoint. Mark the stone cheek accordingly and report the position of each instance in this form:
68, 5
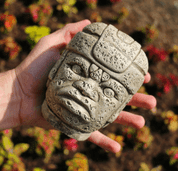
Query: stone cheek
132, 79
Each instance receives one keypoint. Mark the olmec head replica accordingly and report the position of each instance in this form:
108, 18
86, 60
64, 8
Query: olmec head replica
96, 76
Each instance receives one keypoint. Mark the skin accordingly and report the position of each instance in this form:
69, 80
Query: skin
22, 90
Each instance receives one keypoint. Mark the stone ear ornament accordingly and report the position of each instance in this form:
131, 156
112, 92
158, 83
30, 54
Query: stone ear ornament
95, 77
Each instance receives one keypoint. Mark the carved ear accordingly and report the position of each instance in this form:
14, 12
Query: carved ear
55, 68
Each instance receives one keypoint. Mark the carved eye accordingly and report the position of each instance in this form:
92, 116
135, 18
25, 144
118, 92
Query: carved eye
109, 92
77, 69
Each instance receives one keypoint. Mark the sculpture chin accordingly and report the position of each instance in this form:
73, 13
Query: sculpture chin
58, 124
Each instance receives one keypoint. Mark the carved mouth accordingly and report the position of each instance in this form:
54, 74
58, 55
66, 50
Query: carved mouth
53, 120
74, 107
75, 102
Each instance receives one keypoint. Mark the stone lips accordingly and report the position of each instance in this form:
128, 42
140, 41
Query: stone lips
117, 54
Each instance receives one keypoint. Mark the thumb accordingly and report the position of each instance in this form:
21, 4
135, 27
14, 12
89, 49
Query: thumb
62, 37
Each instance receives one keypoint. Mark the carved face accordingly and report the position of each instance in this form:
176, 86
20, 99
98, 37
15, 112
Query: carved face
88, 91
83, 95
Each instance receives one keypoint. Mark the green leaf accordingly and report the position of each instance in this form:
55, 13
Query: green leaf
20, 148
7, 143
144, 167
7, 167
38, 169
37, 38
2, 152
39, 151
14, 157
30, 29
1, 160
10, 162
72, 2
66, 8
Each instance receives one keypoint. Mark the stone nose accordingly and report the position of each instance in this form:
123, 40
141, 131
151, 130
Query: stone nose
87, 89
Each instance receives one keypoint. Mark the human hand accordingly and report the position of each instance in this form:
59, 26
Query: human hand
32, 75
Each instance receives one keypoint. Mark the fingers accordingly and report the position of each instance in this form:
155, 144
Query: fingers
74, 28
104, 142
147, 78
129, 119
124, 118
143, 100
62, 37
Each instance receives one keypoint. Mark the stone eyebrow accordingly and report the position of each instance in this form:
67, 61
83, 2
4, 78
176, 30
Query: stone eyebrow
83, 63
74, 58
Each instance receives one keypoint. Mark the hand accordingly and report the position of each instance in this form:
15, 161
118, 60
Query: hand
32, 75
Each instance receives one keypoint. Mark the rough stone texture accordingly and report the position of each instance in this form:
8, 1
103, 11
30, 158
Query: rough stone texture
96, 76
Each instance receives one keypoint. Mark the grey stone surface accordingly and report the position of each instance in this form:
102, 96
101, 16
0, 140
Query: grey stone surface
96, 76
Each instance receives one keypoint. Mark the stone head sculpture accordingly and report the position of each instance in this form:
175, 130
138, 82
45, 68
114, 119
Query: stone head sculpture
95, 77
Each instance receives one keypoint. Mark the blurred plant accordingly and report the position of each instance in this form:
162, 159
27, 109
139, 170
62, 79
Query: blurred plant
174, 53
38, 169
129, 132
47, 141
174, 79
144, 167
92, 3
141, 137
70, 145
9, 48
10, 159
119, 139
154, 111
8, 133
150, 32
173, 154
7, 22
35, 33
61, 25
170, 119
155, 54
78, 163
165, 83
7, 3
67, 6
122, 15
95, 17
41, 12
114, 1
142, 90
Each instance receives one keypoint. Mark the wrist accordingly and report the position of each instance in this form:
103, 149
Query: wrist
10, 100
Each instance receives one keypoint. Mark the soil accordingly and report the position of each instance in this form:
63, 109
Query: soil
163, 14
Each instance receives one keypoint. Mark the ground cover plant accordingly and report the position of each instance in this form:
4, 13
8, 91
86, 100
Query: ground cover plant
152, 148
